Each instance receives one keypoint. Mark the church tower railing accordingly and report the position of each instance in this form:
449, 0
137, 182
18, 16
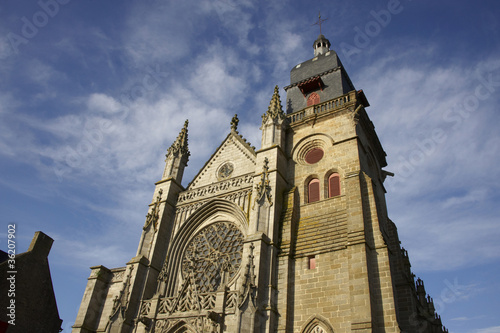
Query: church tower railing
330, 105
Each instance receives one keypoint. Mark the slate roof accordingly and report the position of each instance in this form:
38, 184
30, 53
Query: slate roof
312, 67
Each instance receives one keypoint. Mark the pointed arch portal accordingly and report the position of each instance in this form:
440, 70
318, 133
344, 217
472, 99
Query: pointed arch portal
317, 325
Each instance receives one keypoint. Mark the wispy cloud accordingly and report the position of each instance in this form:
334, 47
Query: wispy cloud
89, 108
440, 153
493, 329
467, 318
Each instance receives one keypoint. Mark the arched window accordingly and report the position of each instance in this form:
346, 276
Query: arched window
317, 325
333, 185
313, 99
313, 190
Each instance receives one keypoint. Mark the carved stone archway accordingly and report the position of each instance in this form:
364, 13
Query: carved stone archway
317, 324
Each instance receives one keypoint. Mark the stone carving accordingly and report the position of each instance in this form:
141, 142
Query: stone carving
226, 185
213, 256
275, 110
242, 198
181, 143
162, 276
120, 302
231, 300
355, 114
152, 217
118, 276
234, 123
249, 288
207, 324
146, 306
263, 188
225, 171
162, 326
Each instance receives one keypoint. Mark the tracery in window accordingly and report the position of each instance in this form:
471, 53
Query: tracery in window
215, 249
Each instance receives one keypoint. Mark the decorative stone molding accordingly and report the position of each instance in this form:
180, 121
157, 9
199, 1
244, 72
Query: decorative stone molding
213, 189
249, 287
275, 110
118, 276
202, 323
120, 302
152, 217
355, 114
317, 324
263, 188
213, 256
162, 276
181, 143
304, 146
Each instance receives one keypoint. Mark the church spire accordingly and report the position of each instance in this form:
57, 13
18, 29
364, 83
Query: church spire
180, 145
273, 122
275, 109
177, 156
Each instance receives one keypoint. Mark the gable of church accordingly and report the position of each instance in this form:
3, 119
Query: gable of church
234, 158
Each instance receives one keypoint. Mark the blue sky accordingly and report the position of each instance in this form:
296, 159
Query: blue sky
92, 93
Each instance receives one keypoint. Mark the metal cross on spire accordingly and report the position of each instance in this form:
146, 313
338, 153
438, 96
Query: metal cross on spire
319, 22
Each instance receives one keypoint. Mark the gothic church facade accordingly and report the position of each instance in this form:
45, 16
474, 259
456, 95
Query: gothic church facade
293, 237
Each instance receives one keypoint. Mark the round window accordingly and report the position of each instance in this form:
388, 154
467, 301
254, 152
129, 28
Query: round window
314, 155
216, 248
225, 171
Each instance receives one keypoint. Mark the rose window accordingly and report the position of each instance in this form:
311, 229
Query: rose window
212, 255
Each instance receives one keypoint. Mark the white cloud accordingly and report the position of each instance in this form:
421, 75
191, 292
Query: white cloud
103, 103
213, 82
467, 318
474, 196
441, 197
82, 254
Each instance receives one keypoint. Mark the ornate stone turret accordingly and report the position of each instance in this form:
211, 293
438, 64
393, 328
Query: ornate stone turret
177, 156
272, 123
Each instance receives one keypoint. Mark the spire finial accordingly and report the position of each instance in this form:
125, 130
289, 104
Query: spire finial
234, 123
181, 143
319, 22
275, 109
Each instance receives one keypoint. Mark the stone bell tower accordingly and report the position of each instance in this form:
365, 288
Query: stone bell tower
341, 268
292, 237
